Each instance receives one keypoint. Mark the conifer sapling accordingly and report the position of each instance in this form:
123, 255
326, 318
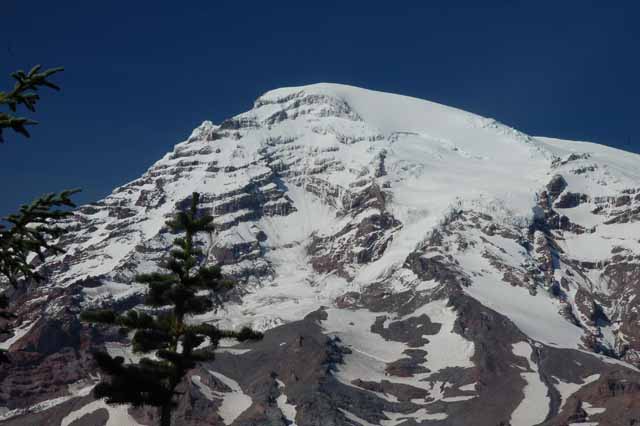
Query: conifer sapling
177, 292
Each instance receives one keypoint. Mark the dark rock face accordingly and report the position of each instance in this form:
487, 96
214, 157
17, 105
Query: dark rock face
412, 331
299, 361
556, 185
437, 267
613, 392
570, 199
363, 239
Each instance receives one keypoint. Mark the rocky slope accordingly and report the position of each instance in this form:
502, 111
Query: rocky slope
411, 264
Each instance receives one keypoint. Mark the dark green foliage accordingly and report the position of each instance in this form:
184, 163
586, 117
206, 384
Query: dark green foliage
6, 314
177, 286
4, 305
24, 93
31, 231
104, 316
147, 376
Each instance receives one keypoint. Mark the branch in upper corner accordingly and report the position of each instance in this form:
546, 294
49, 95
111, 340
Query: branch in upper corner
24, 93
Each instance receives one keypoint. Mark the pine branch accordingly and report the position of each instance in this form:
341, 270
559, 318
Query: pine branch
24, 93
99, 316
32, 230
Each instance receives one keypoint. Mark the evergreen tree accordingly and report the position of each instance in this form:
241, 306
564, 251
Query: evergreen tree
32, 230
178, 286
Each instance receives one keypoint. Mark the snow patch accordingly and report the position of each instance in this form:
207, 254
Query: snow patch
567, 389
18, 333
370, 352
288, 410
591, 410
118, 414
234, 402
420, 415
534, 407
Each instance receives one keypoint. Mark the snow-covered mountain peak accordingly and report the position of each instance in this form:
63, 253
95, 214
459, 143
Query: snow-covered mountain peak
442, 247
390, 113
338, 147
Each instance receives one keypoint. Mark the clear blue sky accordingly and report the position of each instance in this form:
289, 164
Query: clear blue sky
141, 74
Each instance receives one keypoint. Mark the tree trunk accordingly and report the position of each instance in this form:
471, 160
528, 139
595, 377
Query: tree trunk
165, 415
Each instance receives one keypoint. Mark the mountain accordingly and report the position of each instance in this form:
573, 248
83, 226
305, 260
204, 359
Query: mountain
410, 263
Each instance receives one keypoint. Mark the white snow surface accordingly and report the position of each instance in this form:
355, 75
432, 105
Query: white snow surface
371, 352
18, 333
78, 389
419, 416
288, 410
357, 420
567, 389
534, 407
591, 410
427, 147
437, 159
234, 402
118, 414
